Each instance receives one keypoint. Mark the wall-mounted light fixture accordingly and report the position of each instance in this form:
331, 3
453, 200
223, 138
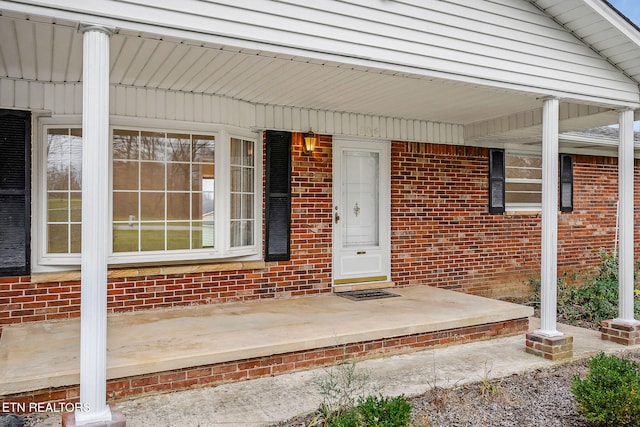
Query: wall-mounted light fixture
308, 143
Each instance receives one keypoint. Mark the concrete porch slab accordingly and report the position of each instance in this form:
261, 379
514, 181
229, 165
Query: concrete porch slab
46, 354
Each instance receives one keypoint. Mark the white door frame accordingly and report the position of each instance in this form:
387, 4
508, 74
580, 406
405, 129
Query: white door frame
367, 264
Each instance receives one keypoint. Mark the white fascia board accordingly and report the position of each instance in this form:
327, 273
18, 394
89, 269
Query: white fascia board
615, 19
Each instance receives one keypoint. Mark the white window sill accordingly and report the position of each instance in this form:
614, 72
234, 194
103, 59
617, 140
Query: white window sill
114, 273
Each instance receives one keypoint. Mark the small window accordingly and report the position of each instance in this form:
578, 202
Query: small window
523, 182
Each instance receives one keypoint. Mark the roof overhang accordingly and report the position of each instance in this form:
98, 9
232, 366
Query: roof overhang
175, 59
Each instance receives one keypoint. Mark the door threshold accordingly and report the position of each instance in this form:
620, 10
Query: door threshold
361, 286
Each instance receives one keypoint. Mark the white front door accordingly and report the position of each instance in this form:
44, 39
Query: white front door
361, 211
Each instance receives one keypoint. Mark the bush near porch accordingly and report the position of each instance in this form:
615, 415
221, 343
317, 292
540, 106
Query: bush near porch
586, 299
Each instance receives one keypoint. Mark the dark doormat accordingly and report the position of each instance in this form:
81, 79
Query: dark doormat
366, 294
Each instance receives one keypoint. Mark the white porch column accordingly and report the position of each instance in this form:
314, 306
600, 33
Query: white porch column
626, 200
95, 225
548, 297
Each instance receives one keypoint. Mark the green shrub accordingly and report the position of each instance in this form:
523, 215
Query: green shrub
376, 411
588, 298
610, 393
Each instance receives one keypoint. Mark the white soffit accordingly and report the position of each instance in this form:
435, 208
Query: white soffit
43, 49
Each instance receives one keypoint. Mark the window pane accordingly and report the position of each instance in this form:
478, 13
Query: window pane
58, 207
76, 241
152, 146
58, 159
236, 234
236, 178
248, 153
178, 176
247, 206
152, 236
152, 176
236, 206
75, 159
516, 197
125, 206
76, 206
201, 172
125, 237
203, 149
58, 238
522, 173
236, 151
152, 206
178, 235
241, 233
178, 148
248, 233
523, 192
125, 175
178, 206
524, 161
203, 234
247, 180
126, 144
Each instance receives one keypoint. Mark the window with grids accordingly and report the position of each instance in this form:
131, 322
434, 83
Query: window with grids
523, 176
171, 192
242, 193
64, 192
163, 191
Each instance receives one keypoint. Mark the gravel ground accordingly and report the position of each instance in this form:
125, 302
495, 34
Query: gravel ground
537, 398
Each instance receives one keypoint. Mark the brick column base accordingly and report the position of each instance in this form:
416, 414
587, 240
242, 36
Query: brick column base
551, 348
117, 419
620, 332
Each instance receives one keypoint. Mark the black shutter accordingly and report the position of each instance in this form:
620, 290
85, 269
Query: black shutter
566, 183
496, 181
278, 197
15, 195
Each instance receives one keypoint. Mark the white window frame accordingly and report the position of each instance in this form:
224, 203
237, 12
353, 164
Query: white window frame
44, 262
521, 207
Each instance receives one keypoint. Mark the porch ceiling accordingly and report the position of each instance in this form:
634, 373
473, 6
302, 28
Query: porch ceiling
43, 49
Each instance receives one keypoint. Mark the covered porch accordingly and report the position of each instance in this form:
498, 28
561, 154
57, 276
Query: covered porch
167, 350
238, 73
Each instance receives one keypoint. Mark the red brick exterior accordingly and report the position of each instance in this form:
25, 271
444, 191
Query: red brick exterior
442, 235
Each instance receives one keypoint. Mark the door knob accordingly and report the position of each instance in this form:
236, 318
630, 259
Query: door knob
337, 217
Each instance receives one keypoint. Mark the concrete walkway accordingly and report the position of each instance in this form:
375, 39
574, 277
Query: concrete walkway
268, 400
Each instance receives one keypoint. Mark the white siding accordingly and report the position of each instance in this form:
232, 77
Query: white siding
504, 43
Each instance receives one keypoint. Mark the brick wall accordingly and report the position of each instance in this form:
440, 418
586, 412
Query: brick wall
442, 236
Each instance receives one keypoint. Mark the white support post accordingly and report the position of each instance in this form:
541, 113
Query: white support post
548, 287
626, 200
95, 226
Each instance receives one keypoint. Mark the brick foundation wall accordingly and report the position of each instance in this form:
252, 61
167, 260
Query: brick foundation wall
221, 373
442, 235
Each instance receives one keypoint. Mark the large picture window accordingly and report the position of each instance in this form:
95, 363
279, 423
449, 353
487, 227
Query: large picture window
174, 195
163, 192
